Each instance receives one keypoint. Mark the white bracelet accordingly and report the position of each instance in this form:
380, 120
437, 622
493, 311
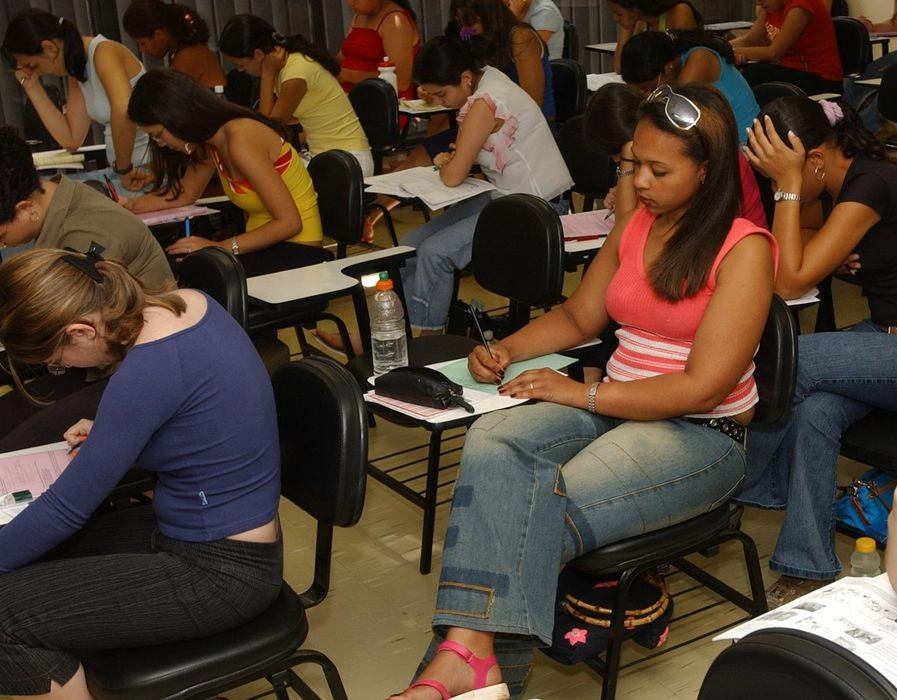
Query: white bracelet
593, 389
234, 246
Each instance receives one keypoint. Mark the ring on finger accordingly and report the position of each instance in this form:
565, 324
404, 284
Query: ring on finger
530, 386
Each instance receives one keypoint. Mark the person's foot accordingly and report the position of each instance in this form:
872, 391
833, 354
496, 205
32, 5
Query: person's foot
789, 588
334, 341
367, 229
450, 672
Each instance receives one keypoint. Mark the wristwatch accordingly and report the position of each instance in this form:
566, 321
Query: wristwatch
782, 196
234, 246
624, 173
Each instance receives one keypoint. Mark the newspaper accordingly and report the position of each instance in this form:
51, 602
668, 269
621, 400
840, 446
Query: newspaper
860, 614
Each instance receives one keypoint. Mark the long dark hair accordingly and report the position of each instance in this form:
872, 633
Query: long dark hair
655, 8
807, 119
18, 176
244, 33
29, 28
644, 56
189, 111
143, 17
683, 268
443, 59
610, 117
494, 45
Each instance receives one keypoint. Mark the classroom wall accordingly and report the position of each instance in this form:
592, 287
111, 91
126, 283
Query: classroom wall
324, 21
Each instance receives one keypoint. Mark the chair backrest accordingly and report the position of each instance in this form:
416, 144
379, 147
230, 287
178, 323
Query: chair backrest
219, 274
787, 663
518, 252
839, 8
765, 93
887, 93
721, 45
377, 107
570, 90
571, 41
853, 44
323, 431
776, 365
592, 172
339, 183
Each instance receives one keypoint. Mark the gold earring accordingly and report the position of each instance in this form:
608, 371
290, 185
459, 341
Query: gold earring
187, 149
816, 172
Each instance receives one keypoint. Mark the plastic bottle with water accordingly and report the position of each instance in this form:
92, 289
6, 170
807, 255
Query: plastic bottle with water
219, 92
865, 560
389, 342
386, 70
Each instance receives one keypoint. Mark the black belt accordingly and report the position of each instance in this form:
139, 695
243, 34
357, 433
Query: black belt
727, 426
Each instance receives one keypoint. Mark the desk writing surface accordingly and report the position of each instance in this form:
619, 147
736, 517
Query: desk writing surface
872, 82
597, 80
607, 47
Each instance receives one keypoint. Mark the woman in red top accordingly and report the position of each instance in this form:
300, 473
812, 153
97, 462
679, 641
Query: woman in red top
793, 41
379, 28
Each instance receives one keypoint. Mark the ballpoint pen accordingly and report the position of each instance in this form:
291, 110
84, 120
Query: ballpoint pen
111, 187
187, 227
476, 323
610, 213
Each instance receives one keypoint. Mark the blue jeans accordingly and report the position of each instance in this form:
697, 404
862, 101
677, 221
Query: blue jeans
864, 98
443, 245
840, 378
543, 484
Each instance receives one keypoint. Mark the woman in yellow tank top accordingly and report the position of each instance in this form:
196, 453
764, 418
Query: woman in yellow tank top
194, 134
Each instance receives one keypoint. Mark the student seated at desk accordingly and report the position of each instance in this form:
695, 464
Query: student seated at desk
195, 134
206, 556
837, 197
298, 85
545, 17
100, 74
792, 41
635, 16
176, 32
59, 213
587, 465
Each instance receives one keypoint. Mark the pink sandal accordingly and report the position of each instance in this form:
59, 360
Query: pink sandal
480, 668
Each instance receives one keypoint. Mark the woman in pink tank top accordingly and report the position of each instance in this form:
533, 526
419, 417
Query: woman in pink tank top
379, 28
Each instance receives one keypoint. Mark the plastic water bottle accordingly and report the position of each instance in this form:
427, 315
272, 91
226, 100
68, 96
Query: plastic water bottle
865, 560
386, 70
389, 341
219, 91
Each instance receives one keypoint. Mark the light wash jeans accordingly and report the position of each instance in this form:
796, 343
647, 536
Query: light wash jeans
840, 378
864, 98
542, 484
443, 245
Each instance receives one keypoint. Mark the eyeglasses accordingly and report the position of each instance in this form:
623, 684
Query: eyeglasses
55, 367
681, 111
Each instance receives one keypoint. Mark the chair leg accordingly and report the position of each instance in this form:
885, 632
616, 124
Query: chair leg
387, 217
334, 682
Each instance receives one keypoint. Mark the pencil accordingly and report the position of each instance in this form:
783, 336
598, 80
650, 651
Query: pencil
109, 186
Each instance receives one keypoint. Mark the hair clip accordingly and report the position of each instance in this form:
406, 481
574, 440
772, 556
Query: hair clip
467, 33
832, 110
278, 38
87, 262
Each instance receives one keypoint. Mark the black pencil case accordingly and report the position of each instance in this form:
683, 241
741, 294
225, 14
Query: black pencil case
422, 386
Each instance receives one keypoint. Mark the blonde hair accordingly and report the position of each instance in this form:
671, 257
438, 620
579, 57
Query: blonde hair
43, 291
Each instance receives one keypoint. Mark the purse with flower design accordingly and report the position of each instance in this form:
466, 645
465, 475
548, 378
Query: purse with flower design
582, 614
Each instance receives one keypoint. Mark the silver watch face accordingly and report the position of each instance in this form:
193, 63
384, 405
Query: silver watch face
788, 196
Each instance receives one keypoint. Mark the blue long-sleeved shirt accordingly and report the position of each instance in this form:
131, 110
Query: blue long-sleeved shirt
195, 407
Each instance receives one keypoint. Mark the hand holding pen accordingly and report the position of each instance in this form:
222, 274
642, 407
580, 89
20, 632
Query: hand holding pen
111, 188
487, 362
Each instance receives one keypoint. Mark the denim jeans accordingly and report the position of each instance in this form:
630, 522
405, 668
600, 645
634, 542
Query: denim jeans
840, 378
864, 98
542, 484
443, 245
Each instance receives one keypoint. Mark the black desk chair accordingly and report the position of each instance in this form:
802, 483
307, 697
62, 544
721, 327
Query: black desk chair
571, 41
518, 249
765, 93
323, 434
853, 45
377, 107
788, 663
569, 84
776, 372
887, 99
592, 172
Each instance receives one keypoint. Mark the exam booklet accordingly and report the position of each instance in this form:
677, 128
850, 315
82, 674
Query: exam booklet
858, 613
425, 184
33, 469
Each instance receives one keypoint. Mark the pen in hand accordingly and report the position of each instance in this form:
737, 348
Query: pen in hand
111, 187
187, 227
610, 213
476, 323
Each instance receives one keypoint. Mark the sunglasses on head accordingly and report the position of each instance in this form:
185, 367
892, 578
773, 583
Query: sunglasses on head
681, 111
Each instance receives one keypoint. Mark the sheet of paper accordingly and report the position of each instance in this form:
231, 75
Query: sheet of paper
811, 297
860, 614
32, 470
425, 183
419, 107
587, 225
167, 216
456, 370
597, 80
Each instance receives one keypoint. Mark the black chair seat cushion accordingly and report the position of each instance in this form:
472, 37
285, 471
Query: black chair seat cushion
209, 664
873, 440
659, 546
